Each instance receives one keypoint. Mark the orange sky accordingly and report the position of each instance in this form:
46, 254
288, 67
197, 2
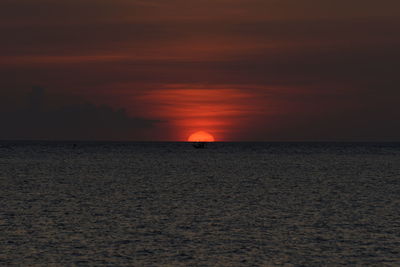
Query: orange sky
220, 111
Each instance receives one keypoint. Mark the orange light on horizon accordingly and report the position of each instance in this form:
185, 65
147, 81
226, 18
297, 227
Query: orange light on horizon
201, 136
215, 109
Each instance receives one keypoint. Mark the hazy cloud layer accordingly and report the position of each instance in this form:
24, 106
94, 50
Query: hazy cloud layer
319, 70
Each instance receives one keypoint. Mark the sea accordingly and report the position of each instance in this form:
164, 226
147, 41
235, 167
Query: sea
169, 204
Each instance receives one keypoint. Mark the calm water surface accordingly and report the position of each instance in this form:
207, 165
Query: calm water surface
168, 204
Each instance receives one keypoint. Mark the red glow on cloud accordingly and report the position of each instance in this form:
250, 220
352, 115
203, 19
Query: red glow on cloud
216, 111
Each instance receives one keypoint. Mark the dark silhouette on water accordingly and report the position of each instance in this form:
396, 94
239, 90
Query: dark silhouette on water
200, 145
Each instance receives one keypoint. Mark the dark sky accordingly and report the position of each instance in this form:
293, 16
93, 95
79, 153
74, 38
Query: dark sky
243, 70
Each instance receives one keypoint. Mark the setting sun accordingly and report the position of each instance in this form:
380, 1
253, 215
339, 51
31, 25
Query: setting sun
201, 136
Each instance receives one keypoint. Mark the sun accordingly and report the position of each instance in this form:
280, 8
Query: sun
201, 136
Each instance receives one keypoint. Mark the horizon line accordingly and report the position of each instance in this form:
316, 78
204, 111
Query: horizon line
170, 141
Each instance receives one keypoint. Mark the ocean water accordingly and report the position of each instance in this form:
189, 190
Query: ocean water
168, 204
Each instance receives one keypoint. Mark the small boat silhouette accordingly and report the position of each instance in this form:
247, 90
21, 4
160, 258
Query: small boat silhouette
200, 145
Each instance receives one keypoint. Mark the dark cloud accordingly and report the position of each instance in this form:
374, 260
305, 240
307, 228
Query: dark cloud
70, 122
